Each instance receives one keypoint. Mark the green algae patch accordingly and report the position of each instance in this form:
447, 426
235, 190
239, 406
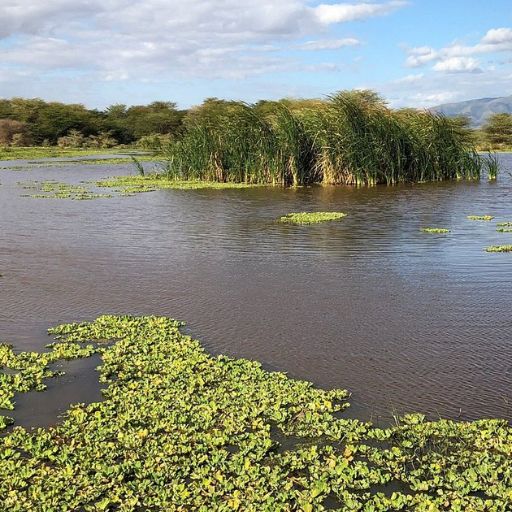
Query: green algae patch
481, 217
180, 430
15, 153
127, 185
499, 248
311, 217
59, 190
434, 230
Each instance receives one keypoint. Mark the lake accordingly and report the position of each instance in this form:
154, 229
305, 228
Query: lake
406, 321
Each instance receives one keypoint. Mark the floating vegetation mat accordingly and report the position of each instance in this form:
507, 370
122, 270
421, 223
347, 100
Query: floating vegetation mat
120, 186
311, 218
499, 248
59, 190
73, 163
180, 430
15, 153
504, 227
434, 230
480, 217
135, 184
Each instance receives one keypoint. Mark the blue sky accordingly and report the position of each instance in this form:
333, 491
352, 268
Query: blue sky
98, 52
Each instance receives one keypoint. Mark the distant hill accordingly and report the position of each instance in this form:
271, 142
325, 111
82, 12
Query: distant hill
476, 110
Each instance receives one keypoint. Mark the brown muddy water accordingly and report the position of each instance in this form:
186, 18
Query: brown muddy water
404, 320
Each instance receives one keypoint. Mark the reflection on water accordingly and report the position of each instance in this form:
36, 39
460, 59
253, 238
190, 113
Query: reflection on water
405, 320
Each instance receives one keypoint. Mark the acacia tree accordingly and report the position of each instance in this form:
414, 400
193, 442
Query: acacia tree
498, 129
13, 133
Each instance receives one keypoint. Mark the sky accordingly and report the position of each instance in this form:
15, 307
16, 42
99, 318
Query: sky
416, 53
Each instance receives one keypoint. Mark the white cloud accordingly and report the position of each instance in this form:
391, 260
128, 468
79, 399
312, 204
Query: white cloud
498, 36
173, 39
458, 55
340, 12
329, 44
410, 79
458, 65
421, 55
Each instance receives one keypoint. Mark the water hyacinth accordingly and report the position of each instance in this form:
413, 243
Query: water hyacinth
60, 190
499, 248
181, 430
311, 217
504, 227
486, 218
434, 230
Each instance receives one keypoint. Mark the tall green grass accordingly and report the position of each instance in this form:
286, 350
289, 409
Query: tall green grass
350, 138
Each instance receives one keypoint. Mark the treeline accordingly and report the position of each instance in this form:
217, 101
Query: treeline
34, 122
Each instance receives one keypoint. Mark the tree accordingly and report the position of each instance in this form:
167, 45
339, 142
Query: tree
13, 133
498, 129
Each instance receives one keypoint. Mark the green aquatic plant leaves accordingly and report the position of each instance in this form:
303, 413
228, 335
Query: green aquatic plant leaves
151, 182
481, 217
434, 230
59, 190
180, 430
504, 227
311, 217
499, 248
27, 371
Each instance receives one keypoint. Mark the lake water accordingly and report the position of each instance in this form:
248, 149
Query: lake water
404, 320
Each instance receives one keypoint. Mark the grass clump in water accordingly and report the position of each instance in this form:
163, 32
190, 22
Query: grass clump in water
434, 230
311, 217
179, 429
499, 248
480, 217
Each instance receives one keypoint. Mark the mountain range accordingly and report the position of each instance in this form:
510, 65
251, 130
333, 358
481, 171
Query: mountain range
477, 110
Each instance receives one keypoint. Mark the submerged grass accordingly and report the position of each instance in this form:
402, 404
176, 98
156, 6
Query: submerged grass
499, 248
311, 217
434, 230
181, 430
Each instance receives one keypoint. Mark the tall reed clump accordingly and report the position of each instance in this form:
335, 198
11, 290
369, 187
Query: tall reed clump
235, 142
350, 138
492, 166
